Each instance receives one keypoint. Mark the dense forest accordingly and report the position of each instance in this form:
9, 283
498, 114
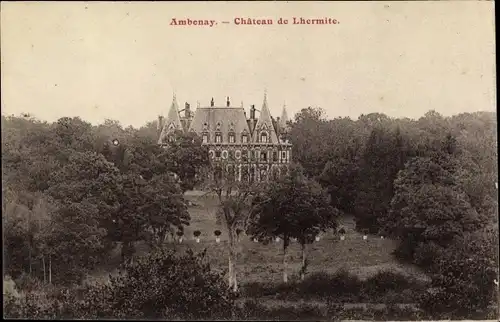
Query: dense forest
72, 191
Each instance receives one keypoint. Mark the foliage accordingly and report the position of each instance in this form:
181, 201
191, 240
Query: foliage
186, 157
429, 206
342, 287
384, 155
63, 196
159, 286
162, 285
292, 207
463, 277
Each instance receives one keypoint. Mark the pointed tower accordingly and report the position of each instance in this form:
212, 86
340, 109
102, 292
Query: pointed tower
172, 122
264, 131
283, 119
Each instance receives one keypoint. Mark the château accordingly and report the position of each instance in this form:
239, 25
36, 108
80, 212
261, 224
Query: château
251, 148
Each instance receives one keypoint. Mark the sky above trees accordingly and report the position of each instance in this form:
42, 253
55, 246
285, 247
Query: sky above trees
123, 61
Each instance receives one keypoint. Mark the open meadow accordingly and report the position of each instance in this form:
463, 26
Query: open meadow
263, 263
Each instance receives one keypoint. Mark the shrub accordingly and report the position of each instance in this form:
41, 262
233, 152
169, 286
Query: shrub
197, 233
259, 289
180, 233
342, 286
462, 286
388, 313
425, 254
43, 303
385, 281
217, 233
342, 231
163, 285
253, 310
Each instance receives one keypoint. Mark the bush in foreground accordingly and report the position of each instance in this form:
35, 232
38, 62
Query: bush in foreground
383, 287
158, 286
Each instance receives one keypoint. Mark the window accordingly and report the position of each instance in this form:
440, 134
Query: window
205, 138
263, 137
238, 154
231, 138
218, 138
244, 155
263, 156
171, 138
244, 138
283, 155
231, 155
217, 154
275, 156
252, 155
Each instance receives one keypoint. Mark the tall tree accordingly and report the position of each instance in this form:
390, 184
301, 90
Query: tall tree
309, 133
235, 206
293, 207
429, 205
186, 157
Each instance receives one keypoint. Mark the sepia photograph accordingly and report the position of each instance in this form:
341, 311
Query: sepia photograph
249, 160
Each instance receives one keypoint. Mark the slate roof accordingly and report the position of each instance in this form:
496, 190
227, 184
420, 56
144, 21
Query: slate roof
220, 119
212, 119
265, 122
172, 121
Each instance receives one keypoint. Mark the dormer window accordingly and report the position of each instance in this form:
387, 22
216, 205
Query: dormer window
218, 138
205, 137
231, 138
263, 137
171, 138
244, 138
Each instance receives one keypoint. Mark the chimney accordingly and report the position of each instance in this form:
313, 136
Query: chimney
212, 102
252, 112
187, 110
228, 103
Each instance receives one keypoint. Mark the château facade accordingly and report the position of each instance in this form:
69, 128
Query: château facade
250, 148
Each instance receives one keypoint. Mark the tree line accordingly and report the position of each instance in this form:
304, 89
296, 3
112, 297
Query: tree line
73, 192
429, 183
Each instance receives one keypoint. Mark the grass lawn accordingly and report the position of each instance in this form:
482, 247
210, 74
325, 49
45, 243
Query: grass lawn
262, 263
258, 262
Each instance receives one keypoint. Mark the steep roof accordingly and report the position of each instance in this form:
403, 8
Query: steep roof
220, 119
172, 121
283, 118
265, 122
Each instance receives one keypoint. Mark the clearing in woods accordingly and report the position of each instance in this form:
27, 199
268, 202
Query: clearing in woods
263, 263
258, 262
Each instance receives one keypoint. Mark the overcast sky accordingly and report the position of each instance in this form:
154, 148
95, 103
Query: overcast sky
124, 61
